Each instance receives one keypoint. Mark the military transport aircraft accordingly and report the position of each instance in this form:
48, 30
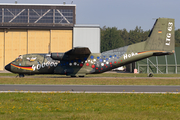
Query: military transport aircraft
79, 61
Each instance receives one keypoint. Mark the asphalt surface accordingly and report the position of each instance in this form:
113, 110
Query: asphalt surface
90, 88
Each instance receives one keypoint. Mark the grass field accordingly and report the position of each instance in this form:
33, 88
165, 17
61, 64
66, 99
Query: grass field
89, 106
90, 81
108, 74
94, 79
21, 106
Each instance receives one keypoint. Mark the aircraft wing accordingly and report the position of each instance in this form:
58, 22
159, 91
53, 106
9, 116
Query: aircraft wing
74, 53
78, 51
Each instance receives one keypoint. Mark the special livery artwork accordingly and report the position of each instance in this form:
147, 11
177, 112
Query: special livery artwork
79, 61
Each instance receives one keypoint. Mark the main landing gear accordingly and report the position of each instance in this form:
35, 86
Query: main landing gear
150, 75
73, 76
21, 75
77, 75
81, 76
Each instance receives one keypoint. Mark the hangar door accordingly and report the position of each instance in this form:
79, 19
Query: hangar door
1, 49
38, 41
61, 40
18, 42
15, 44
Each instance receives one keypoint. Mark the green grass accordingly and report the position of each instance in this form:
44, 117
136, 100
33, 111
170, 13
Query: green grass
131, 75
94, 79
21, 106
110, 74
8, 74
90, 81
89, 106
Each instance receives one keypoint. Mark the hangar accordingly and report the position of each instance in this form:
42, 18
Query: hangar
42, 28
168, 64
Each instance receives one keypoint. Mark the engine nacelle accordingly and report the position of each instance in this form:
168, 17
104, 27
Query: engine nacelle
59, 56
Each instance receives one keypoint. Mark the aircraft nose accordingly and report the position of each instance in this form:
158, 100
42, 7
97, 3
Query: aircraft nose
8, 67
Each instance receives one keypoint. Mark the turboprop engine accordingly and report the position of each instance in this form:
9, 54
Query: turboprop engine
59, 56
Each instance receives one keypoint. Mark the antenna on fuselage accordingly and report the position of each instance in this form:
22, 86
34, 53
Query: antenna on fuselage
49, 51
49, 48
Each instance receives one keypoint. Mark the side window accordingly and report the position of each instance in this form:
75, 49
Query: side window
19, 58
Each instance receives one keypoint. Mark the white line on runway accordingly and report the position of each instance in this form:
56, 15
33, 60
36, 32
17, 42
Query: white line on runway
88, 92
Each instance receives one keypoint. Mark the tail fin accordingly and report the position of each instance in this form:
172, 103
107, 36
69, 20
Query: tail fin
161, 37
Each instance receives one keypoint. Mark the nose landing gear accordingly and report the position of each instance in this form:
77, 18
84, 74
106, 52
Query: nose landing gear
21, 75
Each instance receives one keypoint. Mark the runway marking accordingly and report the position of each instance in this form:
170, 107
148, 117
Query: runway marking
89, 92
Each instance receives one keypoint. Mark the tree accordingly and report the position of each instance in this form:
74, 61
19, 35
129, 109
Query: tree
124, 35
110, 39
177, 38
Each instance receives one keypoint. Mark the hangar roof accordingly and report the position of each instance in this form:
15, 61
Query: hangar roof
38, 4
37, 15
87, 26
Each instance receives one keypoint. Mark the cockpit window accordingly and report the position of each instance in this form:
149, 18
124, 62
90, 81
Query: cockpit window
19, 58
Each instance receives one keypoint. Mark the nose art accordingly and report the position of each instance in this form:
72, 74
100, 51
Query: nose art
8, 67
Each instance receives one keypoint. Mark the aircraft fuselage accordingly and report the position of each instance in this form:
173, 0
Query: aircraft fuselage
79, 61
86, 64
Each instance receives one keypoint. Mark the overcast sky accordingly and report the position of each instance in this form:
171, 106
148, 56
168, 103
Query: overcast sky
118, 13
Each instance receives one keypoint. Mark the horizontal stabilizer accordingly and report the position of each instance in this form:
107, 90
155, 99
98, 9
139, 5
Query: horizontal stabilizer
162, 53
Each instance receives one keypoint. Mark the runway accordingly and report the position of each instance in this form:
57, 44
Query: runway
90, 88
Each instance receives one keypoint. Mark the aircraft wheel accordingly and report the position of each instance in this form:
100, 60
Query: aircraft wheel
21, 75
150, 75
81, 76
73, 76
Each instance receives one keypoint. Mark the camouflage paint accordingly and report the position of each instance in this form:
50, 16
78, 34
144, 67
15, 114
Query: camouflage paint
80, 61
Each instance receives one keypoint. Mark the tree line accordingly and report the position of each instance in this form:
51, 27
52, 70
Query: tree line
112, 38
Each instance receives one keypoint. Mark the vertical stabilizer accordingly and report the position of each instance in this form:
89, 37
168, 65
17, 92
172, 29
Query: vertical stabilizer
161, 37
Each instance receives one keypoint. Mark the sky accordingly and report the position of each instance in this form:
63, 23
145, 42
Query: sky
118, 13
